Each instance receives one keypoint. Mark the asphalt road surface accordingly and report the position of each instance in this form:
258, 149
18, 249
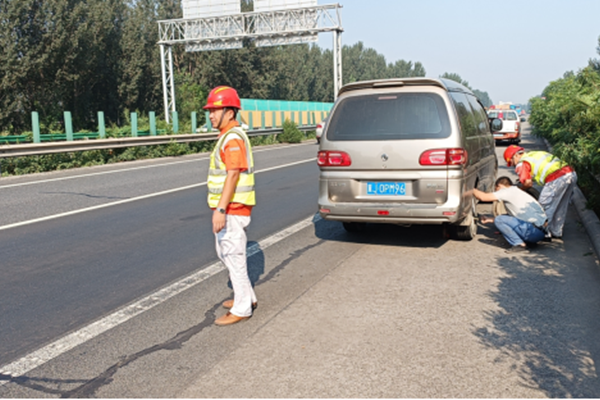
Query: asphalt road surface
396, 312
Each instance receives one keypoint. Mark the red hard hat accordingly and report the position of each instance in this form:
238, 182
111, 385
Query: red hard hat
510, 152
221, 97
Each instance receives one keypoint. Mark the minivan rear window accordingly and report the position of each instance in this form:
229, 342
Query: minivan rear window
388, 116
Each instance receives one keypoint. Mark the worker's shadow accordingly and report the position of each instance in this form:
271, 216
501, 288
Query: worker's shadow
256, 263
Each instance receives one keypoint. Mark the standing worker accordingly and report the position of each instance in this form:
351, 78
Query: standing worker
231, 196
557, 178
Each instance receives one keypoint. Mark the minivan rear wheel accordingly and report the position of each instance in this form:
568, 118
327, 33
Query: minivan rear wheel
355, 227
466, 231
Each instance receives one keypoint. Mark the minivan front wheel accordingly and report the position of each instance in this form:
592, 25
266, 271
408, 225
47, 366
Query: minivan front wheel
466, 231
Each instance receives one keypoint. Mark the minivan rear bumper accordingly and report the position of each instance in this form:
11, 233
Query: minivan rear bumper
452, 210
425, 215
386, 213
390, 220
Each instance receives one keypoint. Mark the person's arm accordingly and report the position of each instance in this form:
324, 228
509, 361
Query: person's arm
526, 184
233, 175
485, 219
524, 173
483, 196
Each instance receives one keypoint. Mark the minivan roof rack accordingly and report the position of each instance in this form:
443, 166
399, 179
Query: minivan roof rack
446, 84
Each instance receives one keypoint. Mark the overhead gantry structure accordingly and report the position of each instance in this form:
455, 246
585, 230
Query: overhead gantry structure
265, 26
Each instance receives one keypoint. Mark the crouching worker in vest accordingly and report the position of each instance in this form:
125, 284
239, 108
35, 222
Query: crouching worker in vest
557, 178
526, 220
231, 197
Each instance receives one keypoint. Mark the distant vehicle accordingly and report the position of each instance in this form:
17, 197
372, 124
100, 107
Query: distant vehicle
406, 151
511, 127
321, 128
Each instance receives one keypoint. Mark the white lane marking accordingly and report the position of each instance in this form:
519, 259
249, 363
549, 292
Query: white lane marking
146, 196
70, 341
65, 178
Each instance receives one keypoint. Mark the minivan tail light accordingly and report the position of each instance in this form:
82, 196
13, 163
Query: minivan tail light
433, 157
517, 126
455, 156
333, 159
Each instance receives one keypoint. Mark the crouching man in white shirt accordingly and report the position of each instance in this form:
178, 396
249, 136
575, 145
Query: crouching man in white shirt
526, 221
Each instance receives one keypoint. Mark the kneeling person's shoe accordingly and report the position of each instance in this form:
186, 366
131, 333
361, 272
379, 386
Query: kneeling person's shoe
517, 249
229, 319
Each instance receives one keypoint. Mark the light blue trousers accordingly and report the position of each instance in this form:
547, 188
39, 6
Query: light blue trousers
517, 232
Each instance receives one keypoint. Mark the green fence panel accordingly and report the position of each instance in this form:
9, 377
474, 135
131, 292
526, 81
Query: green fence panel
175, 122
68, 126
152, 118
282, 105
101, 125
208, 123
35, 126
134, 130
194, 122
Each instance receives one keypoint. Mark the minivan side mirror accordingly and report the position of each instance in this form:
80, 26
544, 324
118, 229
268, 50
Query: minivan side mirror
496, 125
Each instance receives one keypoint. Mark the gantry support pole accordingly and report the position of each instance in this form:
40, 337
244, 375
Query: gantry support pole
337, 62
168, 81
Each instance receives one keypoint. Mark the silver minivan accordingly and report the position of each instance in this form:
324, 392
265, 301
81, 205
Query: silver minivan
406, 151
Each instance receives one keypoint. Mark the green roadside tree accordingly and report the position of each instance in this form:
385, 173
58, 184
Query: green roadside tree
482, 96
58, 55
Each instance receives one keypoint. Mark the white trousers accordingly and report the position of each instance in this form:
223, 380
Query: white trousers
231, 249
554, 198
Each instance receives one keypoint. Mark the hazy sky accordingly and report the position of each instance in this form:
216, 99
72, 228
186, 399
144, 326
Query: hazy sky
510, 49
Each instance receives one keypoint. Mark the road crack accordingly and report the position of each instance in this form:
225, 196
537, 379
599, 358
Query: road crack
89, 388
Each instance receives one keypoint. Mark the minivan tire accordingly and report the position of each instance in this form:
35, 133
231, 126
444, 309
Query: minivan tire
464, 232
355, 227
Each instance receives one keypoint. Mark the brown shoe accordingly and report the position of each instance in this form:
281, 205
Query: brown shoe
229, 304
229, 319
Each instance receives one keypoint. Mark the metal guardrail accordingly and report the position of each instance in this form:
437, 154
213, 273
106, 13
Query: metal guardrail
52, 137
32, 149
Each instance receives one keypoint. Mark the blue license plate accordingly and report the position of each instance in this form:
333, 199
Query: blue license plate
386, 188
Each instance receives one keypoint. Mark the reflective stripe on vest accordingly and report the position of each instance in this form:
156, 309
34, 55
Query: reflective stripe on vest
244, 190
542, 165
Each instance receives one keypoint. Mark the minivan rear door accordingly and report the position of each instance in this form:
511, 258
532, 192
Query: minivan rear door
385, 134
